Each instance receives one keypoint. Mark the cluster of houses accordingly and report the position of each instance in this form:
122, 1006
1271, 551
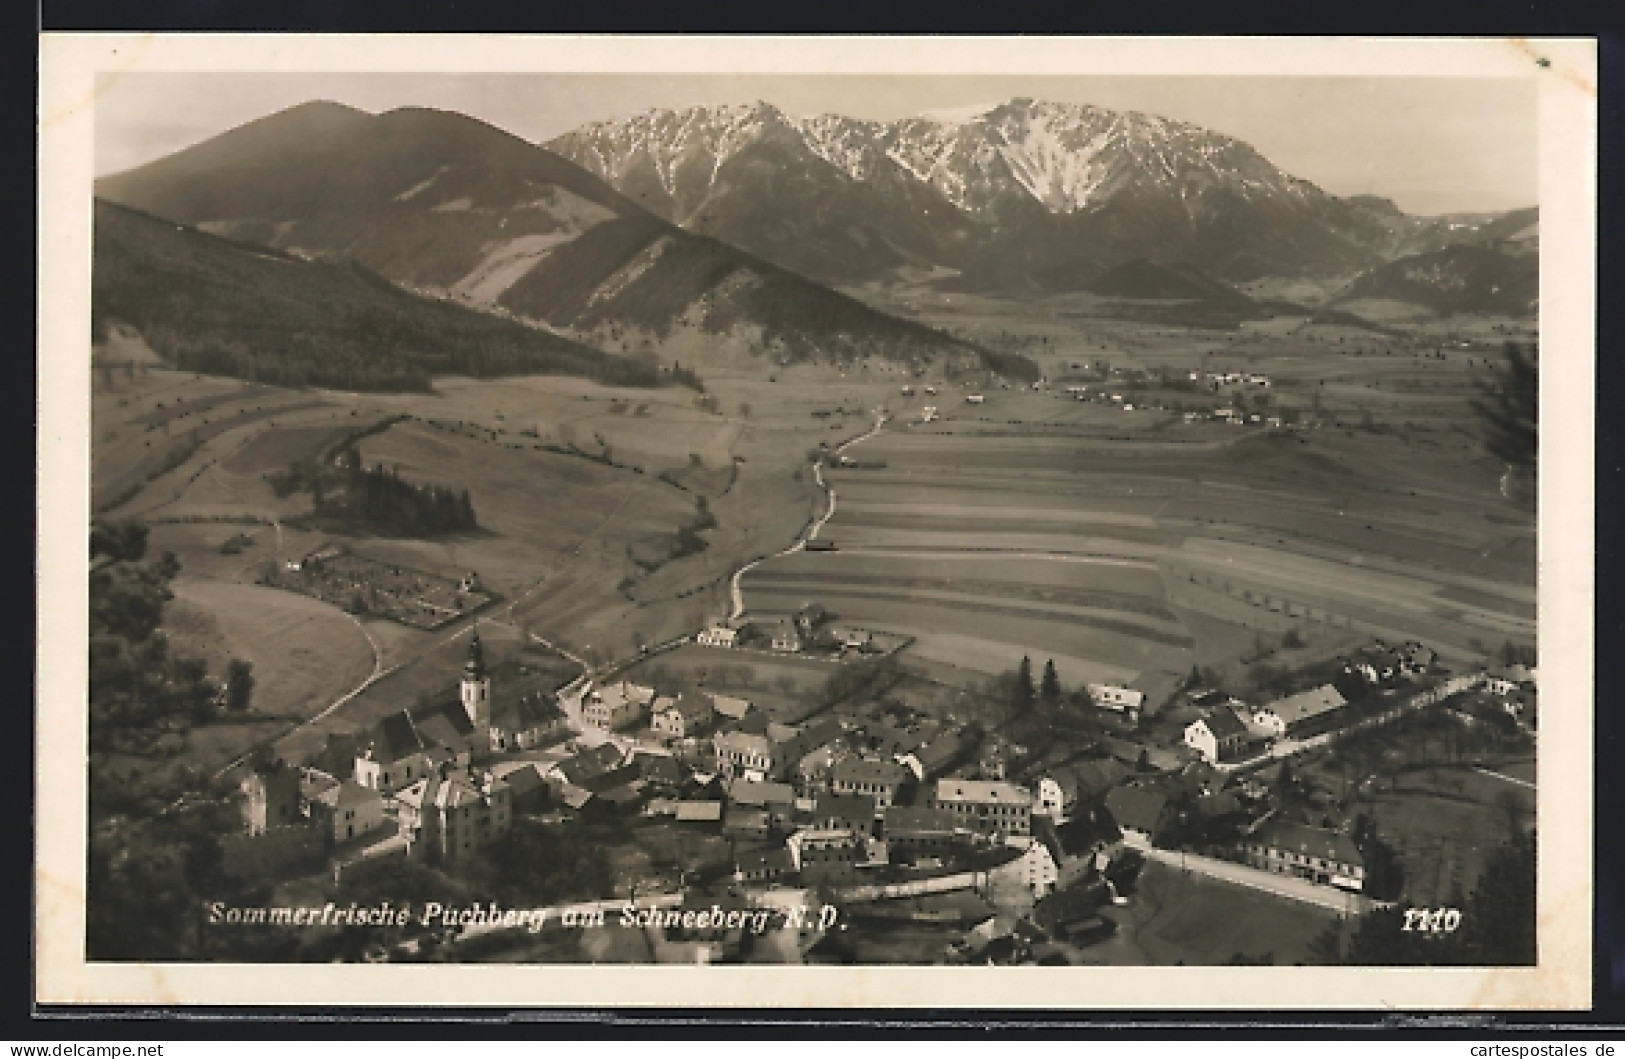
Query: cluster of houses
865, 806
1230, 730
809, 628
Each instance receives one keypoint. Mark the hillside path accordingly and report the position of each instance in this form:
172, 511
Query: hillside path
735, 591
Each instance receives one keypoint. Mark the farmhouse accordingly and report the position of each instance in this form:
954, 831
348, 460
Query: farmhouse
682, 717
717, 636
1329, 858
993, 805
1115, 697
1308, 711
616, 706
1219, 736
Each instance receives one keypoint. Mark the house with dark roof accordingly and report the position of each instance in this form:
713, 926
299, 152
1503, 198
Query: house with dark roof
878, 778
529, 789
1096, 776
777, 800
854, 812
1220, 736
940, 753
525, 720
790, 751
917, 830
1139, 811
585, 764
755, 865
661, 772
1081, 847
395, 754
1329, 858
681, 716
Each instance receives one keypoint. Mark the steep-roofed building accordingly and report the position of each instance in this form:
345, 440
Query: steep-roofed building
1081, 847
525, 720
395, 754
453, 812
1137, 810
1220, 736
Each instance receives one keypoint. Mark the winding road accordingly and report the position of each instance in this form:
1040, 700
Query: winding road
735, 591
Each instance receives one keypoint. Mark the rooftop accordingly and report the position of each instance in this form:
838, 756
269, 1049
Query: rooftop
982, 791
1307, 704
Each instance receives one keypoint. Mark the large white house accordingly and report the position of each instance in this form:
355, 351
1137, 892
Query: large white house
1218, 736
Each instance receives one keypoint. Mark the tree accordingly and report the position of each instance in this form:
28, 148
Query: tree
1507, 405
1024, 693
239, 685
1049, 691
120, 541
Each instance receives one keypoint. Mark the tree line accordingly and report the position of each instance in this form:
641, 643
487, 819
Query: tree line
378, 499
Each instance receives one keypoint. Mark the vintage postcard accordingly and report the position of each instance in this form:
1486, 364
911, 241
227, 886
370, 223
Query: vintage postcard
874, 522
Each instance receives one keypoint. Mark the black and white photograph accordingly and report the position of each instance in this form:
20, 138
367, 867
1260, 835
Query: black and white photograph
934, 510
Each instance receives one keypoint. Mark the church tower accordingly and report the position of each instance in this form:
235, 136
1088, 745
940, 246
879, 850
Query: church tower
477, 686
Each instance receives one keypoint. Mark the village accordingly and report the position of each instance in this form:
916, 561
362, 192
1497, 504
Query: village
936, 839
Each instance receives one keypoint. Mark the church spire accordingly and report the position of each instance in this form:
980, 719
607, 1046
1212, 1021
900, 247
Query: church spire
474, 668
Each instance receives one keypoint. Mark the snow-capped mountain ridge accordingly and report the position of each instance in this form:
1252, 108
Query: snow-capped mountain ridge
1064, 157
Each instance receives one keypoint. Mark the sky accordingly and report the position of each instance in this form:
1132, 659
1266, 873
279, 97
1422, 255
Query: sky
1433, 144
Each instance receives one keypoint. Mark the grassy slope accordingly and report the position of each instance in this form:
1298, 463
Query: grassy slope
211, 304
